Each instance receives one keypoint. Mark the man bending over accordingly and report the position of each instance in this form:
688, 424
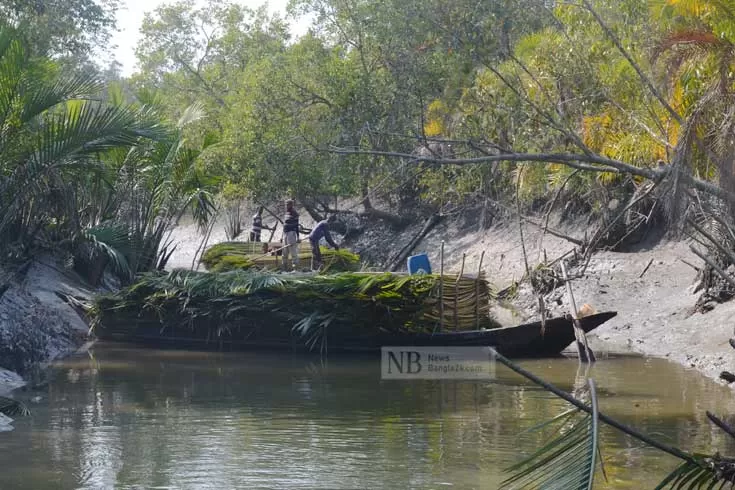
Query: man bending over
320, 230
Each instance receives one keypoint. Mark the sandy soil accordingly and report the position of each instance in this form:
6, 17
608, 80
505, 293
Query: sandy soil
653, 310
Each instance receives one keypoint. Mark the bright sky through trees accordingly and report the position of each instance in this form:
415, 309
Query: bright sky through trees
130, 17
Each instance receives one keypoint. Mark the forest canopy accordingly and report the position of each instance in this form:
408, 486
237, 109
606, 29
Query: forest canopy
638, 83
406, 107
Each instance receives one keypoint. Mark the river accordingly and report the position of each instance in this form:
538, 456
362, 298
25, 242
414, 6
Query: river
118, 417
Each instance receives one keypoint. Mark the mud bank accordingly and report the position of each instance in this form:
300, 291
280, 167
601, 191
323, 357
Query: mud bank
654, 308
36, 325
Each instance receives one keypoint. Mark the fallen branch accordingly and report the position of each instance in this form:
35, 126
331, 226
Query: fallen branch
690, 265
714, 266
587, 162
646, 268
433, 220
717, 243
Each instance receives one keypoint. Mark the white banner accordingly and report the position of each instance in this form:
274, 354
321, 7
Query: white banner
476, 363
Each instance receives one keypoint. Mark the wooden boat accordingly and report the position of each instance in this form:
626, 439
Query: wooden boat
521, 341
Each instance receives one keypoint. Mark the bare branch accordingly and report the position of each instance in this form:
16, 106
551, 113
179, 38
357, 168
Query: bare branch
714, 266
582, 162
573, 160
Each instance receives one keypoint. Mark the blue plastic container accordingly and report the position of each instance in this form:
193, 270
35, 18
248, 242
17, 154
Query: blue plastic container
419, 264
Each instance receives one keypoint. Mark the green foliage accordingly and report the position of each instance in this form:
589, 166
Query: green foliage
13, 408
228, 256
568, 460
217, 252
215, 304
457, 80
54, 137
101, 181
231, 263
68, 28
704, 472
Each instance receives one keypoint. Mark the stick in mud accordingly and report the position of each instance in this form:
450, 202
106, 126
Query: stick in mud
441, 288
646, 268
477, 292
456, 293
585, 353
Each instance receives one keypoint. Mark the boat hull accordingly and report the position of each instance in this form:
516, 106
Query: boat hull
521, 341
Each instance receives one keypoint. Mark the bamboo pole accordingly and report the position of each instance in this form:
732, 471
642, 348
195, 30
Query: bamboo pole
585, 353
441, 287
273, 232
456, 293
477, 292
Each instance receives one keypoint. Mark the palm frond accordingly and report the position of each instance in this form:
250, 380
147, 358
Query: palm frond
113, 242
566, 462
13, 408
696, 472
41, 96
705, 472
191, 114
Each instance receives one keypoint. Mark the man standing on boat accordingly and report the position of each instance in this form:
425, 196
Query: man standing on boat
320, 230
258, 226
291, 228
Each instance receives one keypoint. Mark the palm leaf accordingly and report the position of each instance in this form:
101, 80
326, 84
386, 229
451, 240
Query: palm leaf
113, 241
13, 408
42, 96
566, 462
701, 474
553, 466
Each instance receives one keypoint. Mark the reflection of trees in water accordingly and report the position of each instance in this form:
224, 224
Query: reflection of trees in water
163, 421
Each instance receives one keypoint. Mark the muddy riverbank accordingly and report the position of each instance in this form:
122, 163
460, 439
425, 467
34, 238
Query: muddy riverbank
655, 308
37, 326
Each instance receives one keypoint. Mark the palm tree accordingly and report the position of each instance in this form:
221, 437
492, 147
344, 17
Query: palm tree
54, 132
699, 49
101, 180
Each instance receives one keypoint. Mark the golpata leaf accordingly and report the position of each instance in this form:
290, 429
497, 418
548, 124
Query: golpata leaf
567, 461
12, 408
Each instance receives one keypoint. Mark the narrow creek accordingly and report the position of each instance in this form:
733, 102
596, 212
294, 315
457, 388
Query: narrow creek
130, 418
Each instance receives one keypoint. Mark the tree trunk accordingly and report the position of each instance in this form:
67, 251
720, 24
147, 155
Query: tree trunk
727, 181
366, 198
433, 220
309, 207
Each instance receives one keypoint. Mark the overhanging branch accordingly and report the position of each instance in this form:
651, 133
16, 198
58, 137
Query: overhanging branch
589, 162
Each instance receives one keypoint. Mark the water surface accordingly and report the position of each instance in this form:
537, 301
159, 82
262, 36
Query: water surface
127, 418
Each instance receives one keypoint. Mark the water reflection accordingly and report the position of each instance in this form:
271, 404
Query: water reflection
130, 419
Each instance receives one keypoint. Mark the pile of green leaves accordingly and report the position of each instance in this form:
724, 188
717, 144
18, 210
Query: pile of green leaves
218, 305
228, 256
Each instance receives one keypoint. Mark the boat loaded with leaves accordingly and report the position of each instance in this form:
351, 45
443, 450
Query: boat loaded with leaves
353, 311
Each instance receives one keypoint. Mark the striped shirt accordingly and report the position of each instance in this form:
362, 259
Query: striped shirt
291, 221
257, 223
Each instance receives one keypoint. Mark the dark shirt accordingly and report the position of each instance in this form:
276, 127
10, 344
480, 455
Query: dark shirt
321, 230
291, 221
257, 223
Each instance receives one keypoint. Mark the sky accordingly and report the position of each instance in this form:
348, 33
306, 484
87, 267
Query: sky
130, 17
